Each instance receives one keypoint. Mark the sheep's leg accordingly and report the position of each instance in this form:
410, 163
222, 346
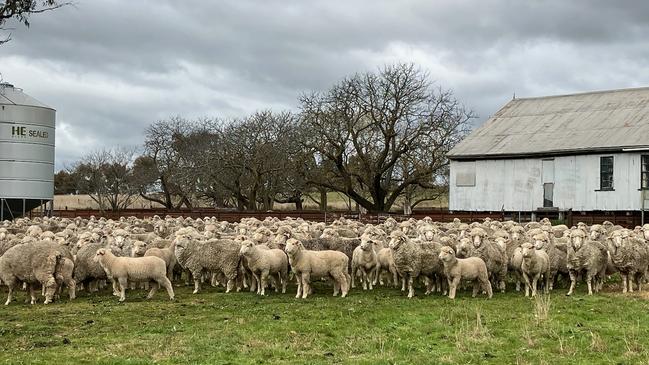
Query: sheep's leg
354, 273
476, 288
624, 283
411, 287
535, 280
363, 277
377, 277
298, 280
32, 293
123, 282
336, 286
166, 283
116, 289
403, 282
229, 285
371, 275
154, 288
305, 284
197, 281
547, 287
257, 280
487, 287
284, 281
453, 287
589, 282
72, 288
264, 277
10, 287
527, 284
629, 279
573, 281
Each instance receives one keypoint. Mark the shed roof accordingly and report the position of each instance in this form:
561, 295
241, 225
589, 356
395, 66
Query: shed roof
592, 122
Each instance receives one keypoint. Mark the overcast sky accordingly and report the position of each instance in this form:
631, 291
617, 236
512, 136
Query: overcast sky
112, 67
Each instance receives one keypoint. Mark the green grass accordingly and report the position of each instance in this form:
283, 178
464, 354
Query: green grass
377, 327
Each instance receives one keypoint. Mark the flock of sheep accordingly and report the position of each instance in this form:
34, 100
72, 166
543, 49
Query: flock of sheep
46, 255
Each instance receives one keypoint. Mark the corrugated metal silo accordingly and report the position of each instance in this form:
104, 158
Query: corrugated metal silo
27, 129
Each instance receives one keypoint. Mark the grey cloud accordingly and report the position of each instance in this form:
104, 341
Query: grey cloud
115, 66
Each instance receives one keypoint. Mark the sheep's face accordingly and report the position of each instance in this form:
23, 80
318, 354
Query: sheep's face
397, 238
446, 254
527, 250
577, 238
645, 231
429, 235
540, 241
618, 237
329, 233
246, 247
100, 253
367, 244
139, 249
501, 242
477, 235
293, 246
465, 247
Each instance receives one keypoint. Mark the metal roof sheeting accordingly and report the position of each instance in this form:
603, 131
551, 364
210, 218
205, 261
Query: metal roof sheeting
10, 95
565, 124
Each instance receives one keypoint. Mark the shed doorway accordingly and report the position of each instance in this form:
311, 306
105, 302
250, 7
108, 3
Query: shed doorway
548, 183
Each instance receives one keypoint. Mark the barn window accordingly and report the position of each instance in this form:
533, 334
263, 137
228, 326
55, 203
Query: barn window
606, 173
465, 173
644, 172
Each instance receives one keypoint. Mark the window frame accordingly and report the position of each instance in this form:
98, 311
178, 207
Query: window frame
644, 174
610, 174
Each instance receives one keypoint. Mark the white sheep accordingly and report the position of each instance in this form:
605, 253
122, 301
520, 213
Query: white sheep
307, 264
365, 263
469, 269
263, 262
121, 270
536, 263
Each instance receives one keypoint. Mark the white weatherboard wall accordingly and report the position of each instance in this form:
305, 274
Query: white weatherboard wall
517, 184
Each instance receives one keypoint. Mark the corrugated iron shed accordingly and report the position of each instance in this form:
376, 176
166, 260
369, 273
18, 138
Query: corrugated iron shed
591, 122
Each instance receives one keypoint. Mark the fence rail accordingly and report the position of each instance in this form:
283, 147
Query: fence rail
623, 218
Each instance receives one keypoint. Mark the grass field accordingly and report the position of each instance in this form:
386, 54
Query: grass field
377, 327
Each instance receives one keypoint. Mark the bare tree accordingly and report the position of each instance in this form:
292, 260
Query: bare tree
381, 133
21, 10
107, 176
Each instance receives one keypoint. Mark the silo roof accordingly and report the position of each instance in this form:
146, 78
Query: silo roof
593, 122
10, 95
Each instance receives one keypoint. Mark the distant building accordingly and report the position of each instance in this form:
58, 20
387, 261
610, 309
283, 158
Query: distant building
581, 152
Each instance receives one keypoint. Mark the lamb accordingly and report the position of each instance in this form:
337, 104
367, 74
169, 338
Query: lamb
307, 264
33, 263
121, 270
385, 262
215, 255
413, 259
494, 256
263, 262
630, 256
365, 262
470, 269
543, 241
536, 263
586, 257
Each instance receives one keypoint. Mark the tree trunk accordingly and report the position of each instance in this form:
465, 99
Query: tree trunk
323, 200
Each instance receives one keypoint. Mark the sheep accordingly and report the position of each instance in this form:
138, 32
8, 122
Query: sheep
385, 262
630, 256
86, 270
215, 255
470, 269
413, 259
494, 256
263, 262
167, 254
307, 264
536, 263
34, 263
588, 257
543, 241
365, 262
121, 270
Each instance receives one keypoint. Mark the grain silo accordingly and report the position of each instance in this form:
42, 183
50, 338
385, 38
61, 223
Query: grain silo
26, 153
